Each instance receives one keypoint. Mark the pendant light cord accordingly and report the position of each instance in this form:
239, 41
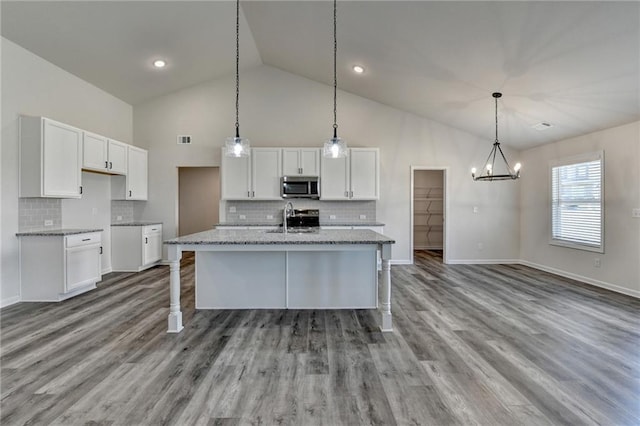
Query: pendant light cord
237, 68
335, 73
496, 99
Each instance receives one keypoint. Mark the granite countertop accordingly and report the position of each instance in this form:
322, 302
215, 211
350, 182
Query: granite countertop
322, 224
57, 232
262, 237
137, 223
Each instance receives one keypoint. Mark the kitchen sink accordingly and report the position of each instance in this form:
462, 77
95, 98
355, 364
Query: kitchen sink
294, 230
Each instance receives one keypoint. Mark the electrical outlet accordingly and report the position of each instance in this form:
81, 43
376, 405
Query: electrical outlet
596, 262
94, 211
232, 209
332, 216
480, 246
48, 223
363, 216
269, 216
118, 217
635, 213
242, 216
475, 209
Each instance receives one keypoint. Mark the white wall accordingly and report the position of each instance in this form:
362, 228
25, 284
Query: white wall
620, 263
33, 86
93, 210
281, 109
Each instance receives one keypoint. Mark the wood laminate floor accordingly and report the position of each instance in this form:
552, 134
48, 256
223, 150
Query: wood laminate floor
473, 345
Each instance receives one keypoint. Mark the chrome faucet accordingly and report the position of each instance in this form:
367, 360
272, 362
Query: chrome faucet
286, 212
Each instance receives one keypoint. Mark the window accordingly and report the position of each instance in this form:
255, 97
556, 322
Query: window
577, 208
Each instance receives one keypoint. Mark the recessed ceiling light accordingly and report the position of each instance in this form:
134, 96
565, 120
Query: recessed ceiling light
159, 63
542, 126
358, 69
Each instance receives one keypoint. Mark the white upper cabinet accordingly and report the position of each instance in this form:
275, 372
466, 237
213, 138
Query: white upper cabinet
133, 186
235, 178
300, 161
252, 178
265, 173
136, 173
365, 174
334, 179
94, 152
355, 177
104, 155
117, 155
50, 159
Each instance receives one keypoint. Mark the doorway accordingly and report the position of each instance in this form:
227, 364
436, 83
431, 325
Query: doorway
198, 199
428, 211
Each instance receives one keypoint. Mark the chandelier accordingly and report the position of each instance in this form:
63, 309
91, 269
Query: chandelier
489, 171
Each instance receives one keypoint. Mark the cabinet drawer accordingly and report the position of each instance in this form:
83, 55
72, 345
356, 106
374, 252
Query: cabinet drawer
82, 239
151, 229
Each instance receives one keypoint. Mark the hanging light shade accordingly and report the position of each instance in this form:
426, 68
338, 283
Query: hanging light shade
235, 146
335, 147
492, 171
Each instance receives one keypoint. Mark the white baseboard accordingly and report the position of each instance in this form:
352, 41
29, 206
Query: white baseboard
482, 261
401, 262
9, 301
107, 270
586, 280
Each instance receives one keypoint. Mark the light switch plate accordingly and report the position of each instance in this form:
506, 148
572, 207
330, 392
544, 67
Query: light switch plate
363, 216
242, 216
269, 216
48, 223
118, 217
232, 209
332, 216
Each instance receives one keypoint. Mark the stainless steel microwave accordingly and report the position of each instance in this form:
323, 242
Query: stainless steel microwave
300, 187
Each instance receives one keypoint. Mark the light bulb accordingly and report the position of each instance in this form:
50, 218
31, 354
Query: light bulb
359, 69
517, 167
473, 171
159, 63
335, 150
237, 149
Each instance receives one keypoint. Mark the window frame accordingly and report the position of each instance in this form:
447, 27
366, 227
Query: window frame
577, 159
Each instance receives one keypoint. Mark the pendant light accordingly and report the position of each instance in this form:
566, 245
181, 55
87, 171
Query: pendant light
489, 172
335, 147
237, 146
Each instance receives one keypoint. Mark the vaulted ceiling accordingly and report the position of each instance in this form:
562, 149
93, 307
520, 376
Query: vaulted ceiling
575, 65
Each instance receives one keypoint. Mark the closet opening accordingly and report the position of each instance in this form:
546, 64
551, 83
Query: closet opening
428, 212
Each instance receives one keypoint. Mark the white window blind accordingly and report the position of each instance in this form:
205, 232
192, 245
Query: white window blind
576, 204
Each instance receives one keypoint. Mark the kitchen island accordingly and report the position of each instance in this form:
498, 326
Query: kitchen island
269, 269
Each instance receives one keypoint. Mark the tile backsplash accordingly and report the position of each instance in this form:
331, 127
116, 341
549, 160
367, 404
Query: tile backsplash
344, 211
33, 212
123, 209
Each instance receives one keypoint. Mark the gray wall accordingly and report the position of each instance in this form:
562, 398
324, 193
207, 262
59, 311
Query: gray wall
282, 109
33, 86
620, 262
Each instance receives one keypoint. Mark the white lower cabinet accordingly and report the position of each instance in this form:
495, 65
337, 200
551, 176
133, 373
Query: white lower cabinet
135, 248
54, 268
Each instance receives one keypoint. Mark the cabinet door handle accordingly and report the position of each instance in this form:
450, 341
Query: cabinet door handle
253, 194
129, 193
248, 194
86, 239
106, 164
81, 190
110, 165
351, 194
146, 240
100, 249
346, 194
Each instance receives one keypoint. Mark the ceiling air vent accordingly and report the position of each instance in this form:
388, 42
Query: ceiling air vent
542, 126
184, 139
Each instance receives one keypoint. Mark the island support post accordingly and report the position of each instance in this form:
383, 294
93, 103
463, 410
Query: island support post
175, 315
